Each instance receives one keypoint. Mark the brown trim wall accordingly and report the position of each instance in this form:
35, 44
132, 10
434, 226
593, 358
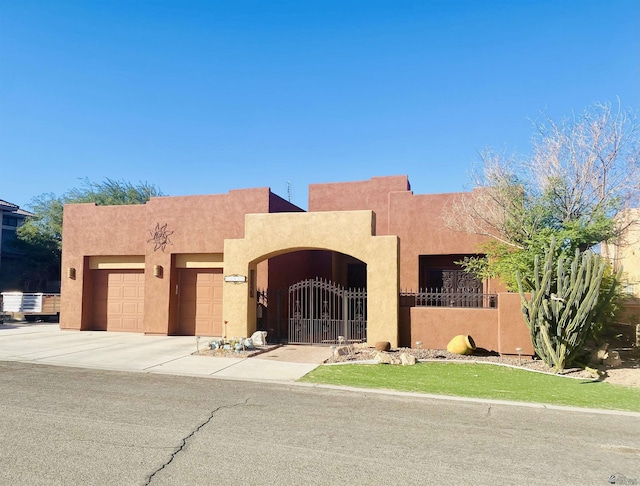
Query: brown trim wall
500, 329
372, 194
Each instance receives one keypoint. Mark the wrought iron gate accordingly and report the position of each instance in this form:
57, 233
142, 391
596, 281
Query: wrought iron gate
322, 312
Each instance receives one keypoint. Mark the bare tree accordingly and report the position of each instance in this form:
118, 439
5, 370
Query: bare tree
589, 164
499, 205
582, 171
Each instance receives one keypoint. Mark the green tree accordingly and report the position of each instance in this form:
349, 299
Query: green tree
581, 173
40, 237
44, 228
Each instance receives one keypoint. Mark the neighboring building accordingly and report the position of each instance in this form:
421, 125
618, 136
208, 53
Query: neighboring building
228, 264
625, 253
12, 218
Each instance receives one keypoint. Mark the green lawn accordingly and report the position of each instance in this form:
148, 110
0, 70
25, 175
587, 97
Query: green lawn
481, 381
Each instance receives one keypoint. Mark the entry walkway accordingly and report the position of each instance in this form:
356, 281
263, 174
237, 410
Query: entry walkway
44, 343
297, 354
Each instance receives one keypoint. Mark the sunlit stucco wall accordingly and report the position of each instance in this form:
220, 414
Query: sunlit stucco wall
348, 232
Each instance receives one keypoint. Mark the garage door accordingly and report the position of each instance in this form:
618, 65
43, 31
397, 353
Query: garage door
118, 300
200, 302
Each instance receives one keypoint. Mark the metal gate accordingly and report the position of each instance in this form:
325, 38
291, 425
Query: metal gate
322, 312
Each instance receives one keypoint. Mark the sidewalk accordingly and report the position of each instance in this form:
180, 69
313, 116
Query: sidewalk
44, 343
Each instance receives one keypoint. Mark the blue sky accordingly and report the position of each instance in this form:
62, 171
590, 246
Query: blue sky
202, 97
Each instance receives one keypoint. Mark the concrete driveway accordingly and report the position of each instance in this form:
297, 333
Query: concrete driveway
45, 343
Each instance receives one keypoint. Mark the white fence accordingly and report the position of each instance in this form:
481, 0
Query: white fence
22, 302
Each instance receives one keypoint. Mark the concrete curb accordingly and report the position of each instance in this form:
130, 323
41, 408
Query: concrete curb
374, 391
118, 352
473, 400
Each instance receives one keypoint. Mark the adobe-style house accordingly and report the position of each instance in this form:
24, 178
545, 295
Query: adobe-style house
229, 264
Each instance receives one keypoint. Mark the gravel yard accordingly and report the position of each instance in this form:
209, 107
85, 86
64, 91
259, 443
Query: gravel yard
230, 353
628, 374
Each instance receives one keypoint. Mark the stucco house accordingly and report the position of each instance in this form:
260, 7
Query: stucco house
625, 254
369, 261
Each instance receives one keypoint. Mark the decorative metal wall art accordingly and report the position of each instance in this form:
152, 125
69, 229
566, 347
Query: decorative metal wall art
160, 237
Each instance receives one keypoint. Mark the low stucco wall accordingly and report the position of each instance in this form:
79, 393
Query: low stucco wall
501, 329
513, 332
436, 326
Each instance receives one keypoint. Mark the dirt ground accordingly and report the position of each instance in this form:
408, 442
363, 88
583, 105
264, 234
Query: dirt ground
628, 373
623, 339
624, 376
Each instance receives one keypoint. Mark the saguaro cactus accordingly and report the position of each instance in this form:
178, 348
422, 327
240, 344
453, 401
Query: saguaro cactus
560, 311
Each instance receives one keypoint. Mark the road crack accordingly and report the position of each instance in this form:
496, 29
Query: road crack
189, 436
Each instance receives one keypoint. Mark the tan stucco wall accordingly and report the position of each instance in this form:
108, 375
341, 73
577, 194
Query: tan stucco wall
625, 253
348, 232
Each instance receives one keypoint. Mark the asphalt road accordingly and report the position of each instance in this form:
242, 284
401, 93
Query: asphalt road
84, 427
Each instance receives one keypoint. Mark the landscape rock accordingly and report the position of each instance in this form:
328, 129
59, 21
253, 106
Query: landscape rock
407, 359
343, 351
387, 358
613, 359
599, 355
259, 338
383, 346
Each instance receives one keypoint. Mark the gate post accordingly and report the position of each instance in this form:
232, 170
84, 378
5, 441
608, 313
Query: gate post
345, 315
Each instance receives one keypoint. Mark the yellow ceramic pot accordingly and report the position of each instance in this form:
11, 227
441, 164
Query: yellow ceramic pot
461, 345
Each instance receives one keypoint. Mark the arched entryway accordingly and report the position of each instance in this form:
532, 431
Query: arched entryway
312, 297
345, 232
